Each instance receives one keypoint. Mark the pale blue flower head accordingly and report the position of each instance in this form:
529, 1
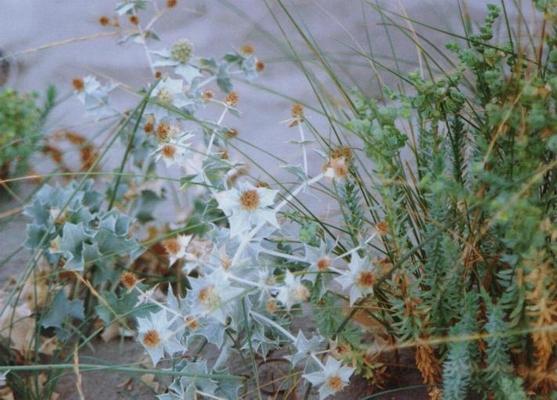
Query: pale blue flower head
293, 291
159, 335
213, 295
331, 379
359, 278
247, 206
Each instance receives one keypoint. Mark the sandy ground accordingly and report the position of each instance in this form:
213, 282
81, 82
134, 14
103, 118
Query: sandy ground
41, 38
44, 37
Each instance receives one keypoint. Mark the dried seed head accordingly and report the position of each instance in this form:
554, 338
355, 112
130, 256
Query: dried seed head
163, 132
78, 84
336, 168
231, 133
191, 322
323, 263
171, 246
158, 74
382, 228
134, 19
168, 151
224, 155
149, 124
104, 20
249, 200
365, 279
342, 152
259, 66
151, 338
334, 382
171, 3
128, 280
232, 99
297, 111
207, 95
247, 49
208, 296
182, 51
339, 349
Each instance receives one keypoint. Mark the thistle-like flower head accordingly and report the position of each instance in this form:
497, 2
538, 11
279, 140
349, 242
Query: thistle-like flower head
360, 278
247, 206
158, 335
213, 295
293, 291
176, 247
331, 379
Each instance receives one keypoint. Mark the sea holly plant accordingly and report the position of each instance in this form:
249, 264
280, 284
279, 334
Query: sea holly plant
240, 295
70, 227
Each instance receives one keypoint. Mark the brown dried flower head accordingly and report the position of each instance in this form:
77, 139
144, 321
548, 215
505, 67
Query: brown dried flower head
249, 200
149, 126
297, 113
171, 246
151, 338
342, 152
191, 322
231, 133
104, 20
323, 263
168, 151
247, 49
163, 131
207, 95
334, 382
78, 84
336, 168
232, 99
382, 228
365, 279
129, 280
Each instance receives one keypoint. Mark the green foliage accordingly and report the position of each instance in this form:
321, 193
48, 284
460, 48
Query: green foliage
121, 307
329, 321
61, 311
69, 225
20, 119
354, 217
459, 366
472, 213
